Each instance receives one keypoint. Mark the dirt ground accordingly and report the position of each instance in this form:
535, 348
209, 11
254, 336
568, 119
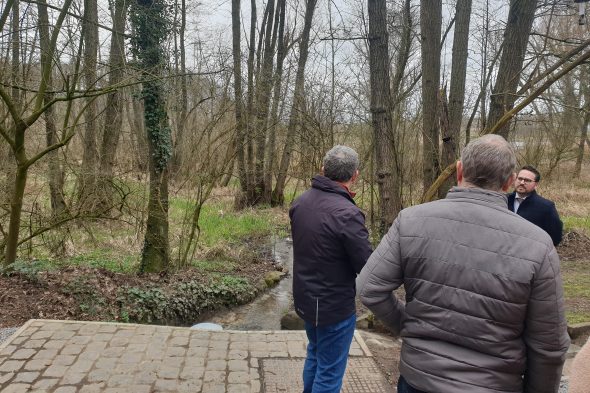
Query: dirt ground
69, 293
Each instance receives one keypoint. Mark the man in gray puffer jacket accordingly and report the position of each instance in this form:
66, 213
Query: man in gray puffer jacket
484, 300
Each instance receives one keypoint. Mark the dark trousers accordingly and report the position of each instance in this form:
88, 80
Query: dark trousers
404, 387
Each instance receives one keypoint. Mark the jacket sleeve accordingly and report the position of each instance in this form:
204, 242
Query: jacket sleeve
554, 226
545, 333
355, 238
381, 275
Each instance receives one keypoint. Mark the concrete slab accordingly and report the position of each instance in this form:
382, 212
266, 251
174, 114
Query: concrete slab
77, 357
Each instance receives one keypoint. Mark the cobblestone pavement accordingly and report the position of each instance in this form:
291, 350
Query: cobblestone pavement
85, 357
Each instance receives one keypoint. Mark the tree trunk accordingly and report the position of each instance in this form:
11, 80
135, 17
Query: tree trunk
16, 207
151, 27
239, 106
15, 136
113, 113
516, 38
55, 172
274, 119
585, 78
383, 139
88, 177
430, 26
278, 197
250, 105
263, 93
9, 165
183, 112
448, 152
450, 138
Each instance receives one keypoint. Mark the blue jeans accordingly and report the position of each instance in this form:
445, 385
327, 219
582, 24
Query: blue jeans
404, 387
327, 354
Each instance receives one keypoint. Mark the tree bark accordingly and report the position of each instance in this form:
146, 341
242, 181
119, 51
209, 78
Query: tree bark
278, 197
383, 139
274, 119
55, 171
516, 38
113, 113
90, 160
450, 138
430, 26
151, 26
239, 105
263, 94
585, 79
183, 112
9, 167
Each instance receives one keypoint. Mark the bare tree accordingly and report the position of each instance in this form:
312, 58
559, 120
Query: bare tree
430, 31
383, 140
55, 171
90, 161
450, 147
239, 104
516, 38
585, 87
278, 196
113, 112
15, 136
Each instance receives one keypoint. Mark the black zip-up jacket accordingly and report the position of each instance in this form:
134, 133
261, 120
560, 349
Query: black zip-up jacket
330, 247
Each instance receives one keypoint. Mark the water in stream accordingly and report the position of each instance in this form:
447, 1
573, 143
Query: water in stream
265, 312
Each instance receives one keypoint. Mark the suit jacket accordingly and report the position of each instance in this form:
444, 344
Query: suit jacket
541, 212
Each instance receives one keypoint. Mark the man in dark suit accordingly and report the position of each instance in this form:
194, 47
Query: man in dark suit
525, 202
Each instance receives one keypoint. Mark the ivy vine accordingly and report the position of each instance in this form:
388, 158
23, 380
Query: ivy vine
151, 21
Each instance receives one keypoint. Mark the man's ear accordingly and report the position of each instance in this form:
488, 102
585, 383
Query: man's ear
459, 173
322, 171
509, 183
355, 175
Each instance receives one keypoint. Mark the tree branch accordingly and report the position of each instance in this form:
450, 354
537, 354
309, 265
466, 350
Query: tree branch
5, 13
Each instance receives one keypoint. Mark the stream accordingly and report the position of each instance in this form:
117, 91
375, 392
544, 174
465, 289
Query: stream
265, 312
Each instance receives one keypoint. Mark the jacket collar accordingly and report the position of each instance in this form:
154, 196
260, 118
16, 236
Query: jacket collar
496, 198
531, 195
324, 184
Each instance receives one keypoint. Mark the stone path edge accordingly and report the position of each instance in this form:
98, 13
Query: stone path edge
361, 342
357, 335
18, 332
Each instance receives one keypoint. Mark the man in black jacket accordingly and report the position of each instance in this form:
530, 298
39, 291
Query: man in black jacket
525, 202
330, 247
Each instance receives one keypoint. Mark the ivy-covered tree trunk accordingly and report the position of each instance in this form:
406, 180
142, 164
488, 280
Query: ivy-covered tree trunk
151, 24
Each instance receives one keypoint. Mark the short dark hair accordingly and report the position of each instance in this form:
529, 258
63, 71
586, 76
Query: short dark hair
340, 163
531, 168
488, 162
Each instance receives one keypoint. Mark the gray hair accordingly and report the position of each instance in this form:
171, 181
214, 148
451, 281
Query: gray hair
488, 162
340, 163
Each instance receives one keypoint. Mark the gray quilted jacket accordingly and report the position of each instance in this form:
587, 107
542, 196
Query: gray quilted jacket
484, 301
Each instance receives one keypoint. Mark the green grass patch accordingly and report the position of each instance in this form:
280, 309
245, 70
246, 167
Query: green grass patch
577, 317
214, 266
576, 279
106, 259
219, 223
579, 224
